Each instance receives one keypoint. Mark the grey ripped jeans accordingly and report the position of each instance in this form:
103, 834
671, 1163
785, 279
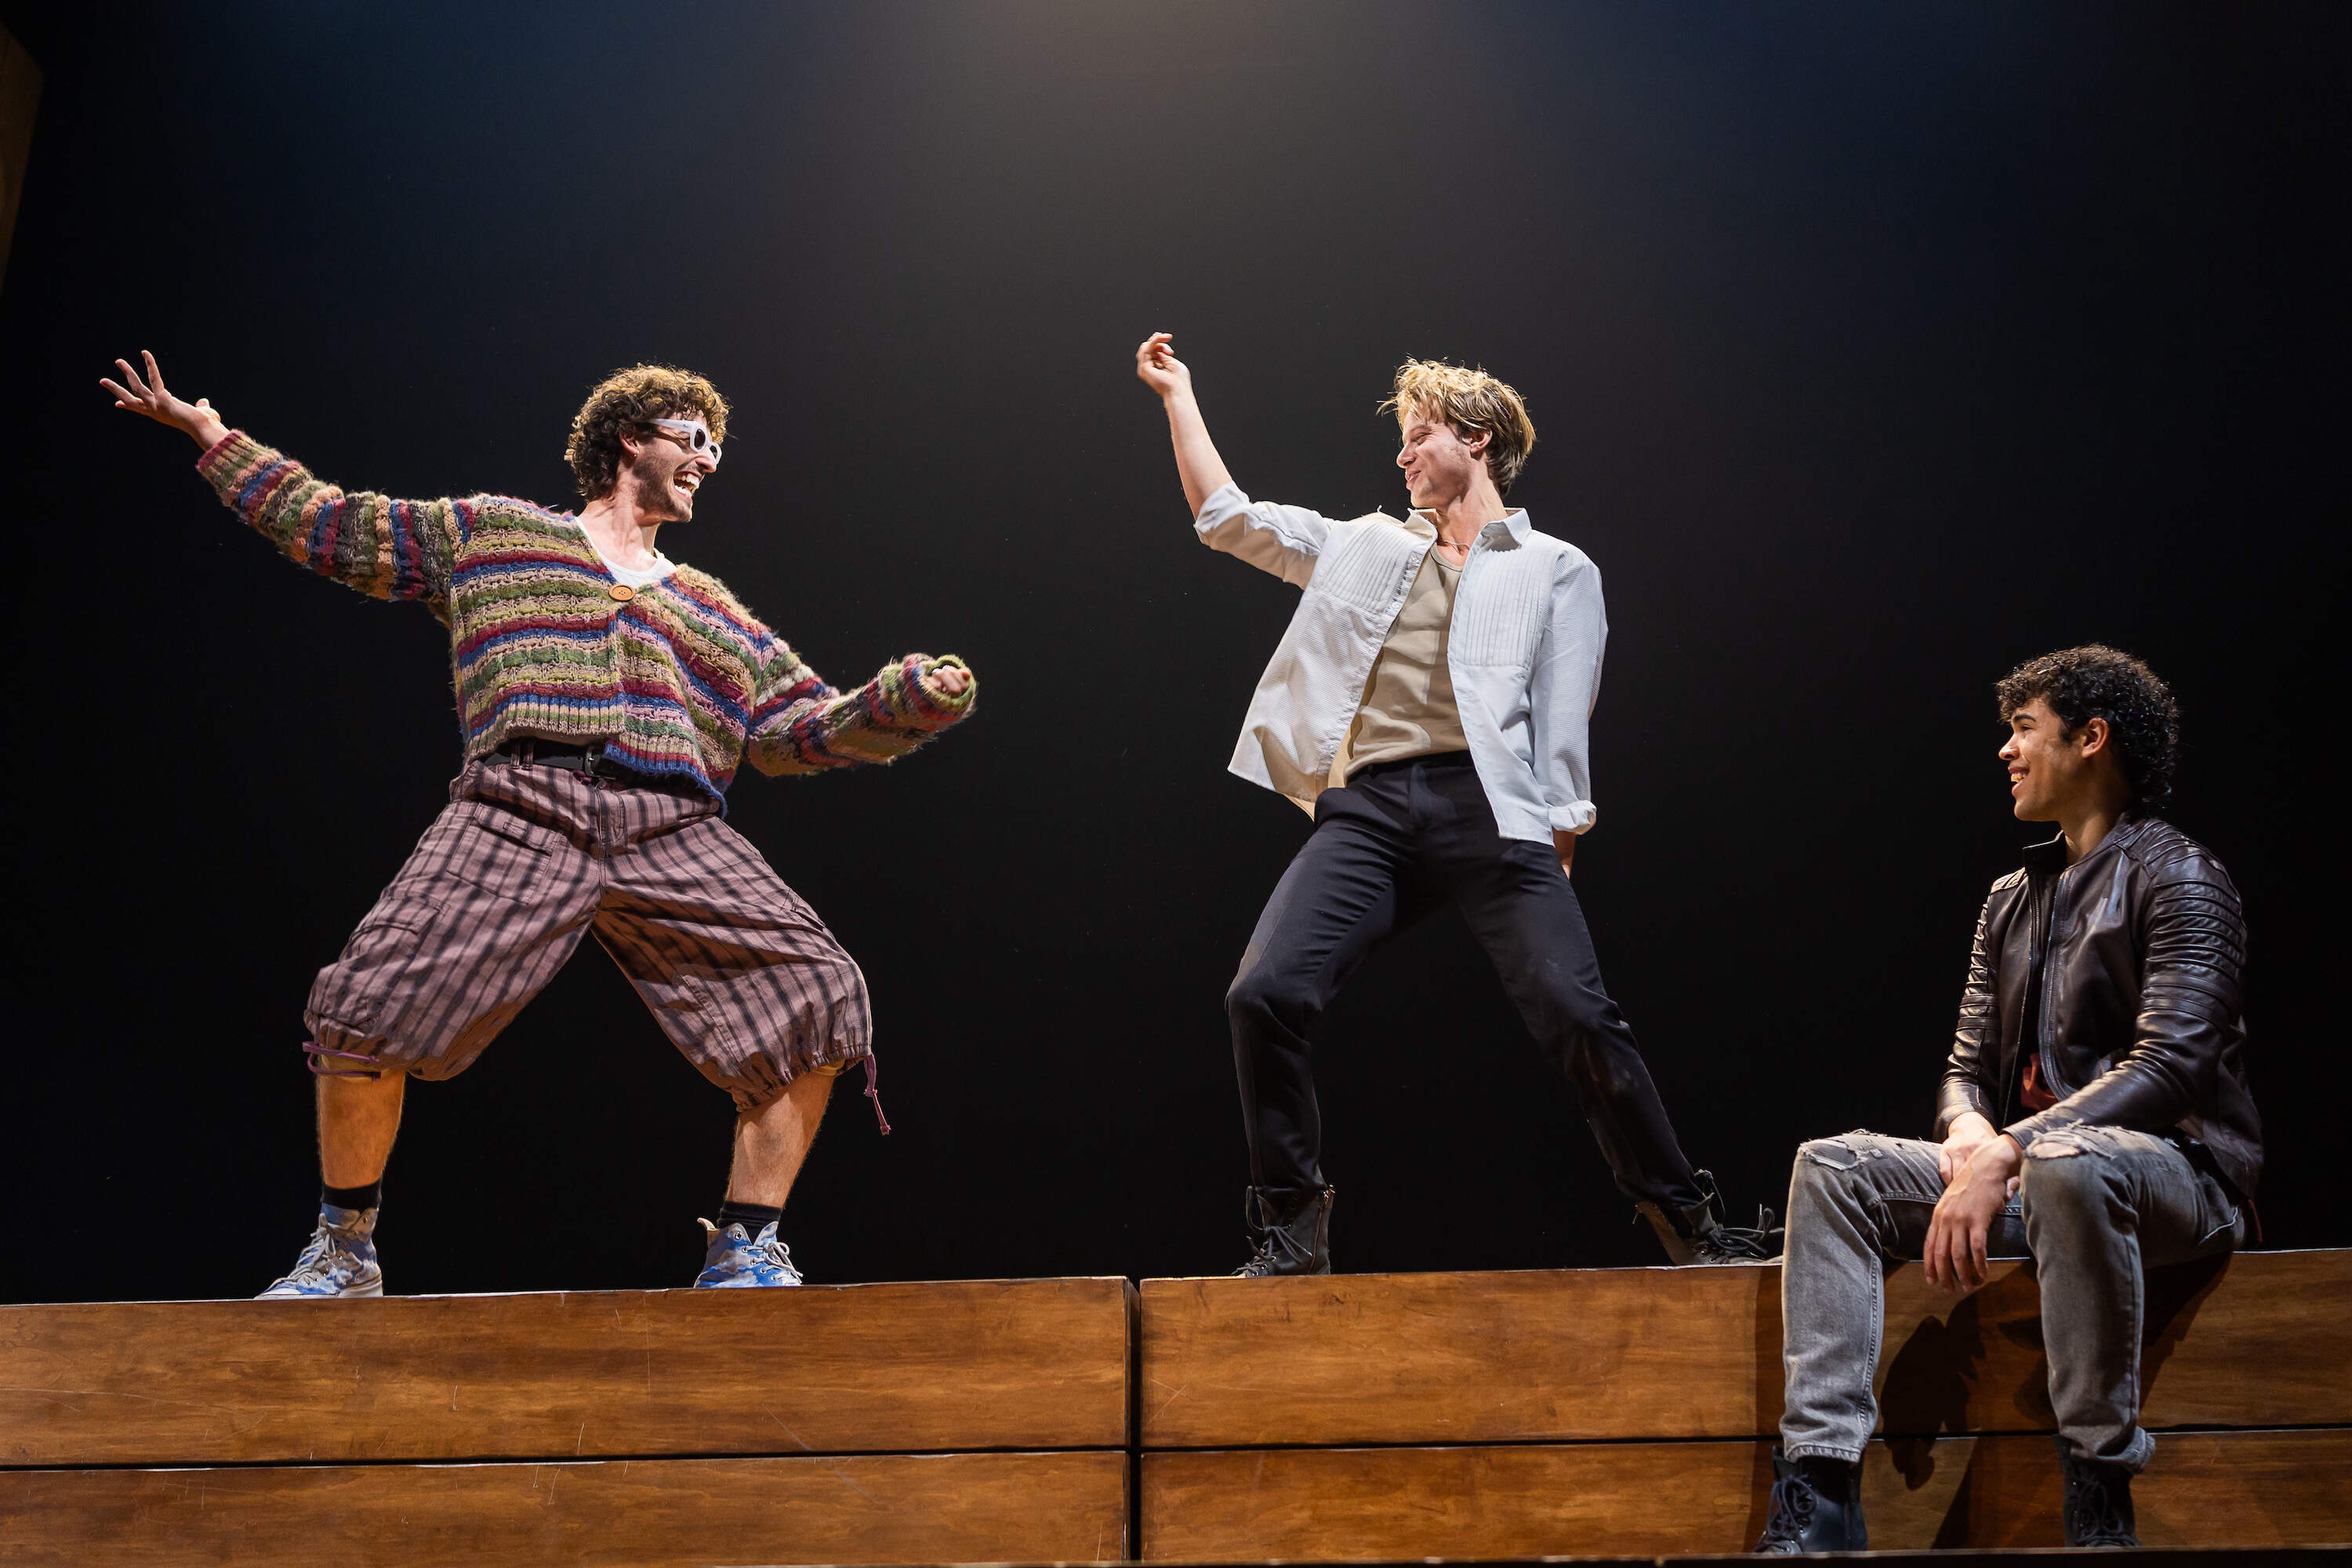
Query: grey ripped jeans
2095, 1207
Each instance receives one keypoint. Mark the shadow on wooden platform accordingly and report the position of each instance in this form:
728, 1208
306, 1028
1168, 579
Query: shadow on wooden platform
1380, 1417
2153, 1557
1360, 1417
1580, 1355
1327, 1505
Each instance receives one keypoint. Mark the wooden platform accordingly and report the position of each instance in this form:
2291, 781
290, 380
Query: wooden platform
1038, 1363
2239, 1489
1530, 1414
1696, 1352
967, 1421
1363, 1418
887, 1508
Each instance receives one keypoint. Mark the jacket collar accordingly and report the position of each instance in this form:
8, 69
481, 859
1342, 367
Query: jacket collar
1513, 522
2049, 855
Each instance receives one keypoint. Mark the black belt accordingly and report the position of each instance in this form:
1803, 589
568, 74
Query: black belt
531, 752
1428, 760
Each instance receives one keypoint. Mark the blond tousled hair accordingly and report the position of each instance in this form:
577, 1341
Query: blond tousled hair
1470, 401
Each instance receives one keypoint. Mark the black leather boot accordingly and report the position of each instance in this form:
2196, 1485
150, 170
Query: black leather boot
2098, 1501
1699, 1235
1816, 1507
1292, 1233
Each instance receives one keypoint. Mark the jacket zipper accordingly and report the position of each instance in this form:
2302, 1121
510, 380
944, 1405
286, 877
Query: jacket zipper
2010, 1096
2051, 1084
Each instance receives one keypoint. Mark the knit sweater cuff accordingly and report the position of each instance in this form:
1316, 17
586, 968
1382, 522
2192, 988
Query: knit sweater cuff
918, 706
228, 459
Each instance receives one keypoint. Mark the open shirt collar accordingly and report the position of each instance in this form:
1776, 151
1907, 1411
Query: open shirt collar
1513, 522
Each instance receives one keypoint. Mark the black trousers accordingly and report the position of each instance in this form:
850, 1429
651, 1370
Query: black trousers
1386, 850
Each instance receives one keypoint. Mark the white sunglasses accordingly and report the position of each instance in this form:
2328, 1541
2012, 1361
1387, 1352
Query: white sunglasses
691, 434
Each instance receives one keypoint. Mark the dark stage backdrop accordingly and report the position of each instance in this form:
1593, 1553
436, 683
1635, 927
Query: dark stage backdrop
1872, 350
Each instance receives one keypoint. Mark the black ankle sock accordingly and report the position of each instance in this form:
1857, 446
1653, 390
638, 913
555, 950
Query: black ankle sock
753, 1217
365, 1197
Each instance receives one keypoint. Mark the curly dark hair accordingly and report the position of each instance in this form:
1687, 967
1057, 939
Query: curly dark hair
630, 397
2095, 682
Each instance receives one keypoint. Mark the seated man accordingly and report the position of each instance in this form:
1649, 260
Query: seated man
2094, 1112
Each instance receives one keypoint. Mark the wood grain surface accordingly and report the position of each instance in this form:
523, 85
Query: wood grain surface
935, 1508
2233, 1489
1038, 1363
1696, 1352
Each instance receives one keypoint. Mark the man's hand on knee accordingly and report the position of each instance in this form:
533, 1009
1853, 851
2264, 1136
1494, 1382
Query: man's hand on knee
1968, 1133
1955, 1254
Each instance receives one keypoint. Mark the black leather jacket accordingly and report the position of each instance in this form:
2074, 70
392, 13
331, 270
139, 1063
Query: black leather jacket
2133, 959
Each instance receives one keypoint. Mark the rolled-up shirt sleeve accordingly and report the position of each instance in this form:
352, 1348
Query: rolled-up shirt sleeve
1283, 539
1561, 689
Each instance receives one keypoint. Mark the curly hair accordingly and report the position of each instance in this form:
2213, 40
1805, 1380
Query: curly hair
1470, 401
627, 398
2095, 682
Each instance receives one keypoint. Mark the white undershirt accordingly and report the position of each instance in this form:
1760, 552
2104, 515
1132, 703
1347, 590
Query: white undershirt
635, 576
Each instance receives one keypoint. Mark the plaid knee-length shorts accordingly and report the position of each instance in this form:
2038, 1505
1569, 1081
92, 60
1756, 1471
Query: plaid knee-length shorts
739, 972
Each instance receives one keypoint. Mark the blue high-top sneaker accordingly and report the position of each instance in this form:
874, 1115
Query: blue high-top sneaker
340, 1260
740, 1260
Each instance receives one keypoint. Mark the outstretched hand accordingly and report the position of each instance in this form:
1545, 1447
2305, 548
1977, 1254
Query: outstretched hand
147, 396
1156, 366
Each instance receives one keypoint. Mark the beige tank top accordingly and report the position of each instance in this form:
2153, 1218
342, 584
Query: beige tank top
1408, 708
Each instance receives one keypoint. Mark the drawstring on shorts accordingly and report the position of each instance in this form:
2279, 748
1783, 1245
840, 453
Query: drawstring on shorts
315, 1052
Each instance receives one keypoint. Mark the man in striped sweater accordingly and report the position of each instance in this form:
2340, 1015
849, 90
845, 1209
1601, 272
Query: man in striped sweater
606, 696
1429, 708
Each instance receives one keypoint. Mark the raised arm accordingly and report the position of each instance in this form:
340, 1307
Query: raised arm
1197, 463
385, 548
1283, 539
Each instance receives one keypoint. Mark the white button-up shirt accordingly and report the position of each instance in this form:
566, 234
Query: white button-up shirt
1524, 649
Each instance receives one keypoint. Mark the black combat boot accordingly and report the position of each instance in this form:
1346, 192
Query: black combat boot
1816, 1507
2098, 1501
1697, 1234
1292, 1233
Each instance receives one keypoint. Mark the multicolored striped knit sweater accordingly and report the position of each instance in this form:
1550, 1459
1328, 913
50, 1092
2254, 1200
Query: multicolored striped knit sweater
679, 679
